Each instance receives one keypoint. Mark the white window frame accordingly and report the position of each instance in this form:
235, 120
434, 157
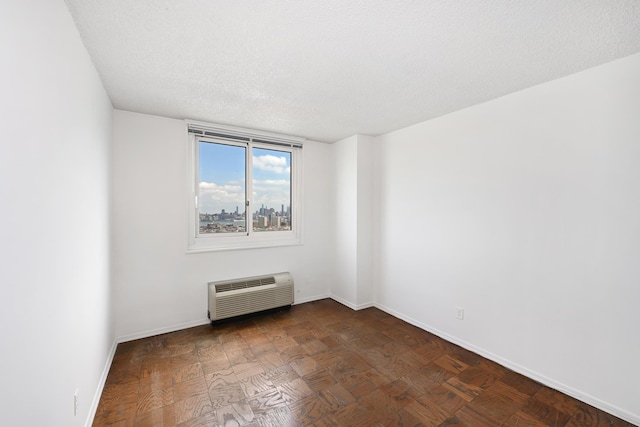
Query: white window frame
198, 131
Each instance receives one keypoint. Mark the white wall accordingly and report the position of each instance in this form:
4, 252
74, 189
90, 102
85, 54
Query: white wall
55, 137
344, 288
365, 221
158, 286
354, 195
525, 212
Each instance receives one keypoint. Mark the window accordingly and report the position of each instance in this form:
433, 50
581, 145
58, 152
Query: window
244, 189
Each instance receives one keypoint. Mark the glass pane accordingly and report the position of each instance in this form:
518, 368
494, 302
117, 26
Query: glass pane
222, 188
271, 190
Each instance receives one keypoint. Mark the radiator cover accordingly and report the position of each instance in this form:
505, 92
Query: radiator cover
247, 295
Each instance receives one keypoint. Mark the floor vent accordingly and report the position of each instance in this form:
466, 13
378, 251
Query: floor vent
249, 295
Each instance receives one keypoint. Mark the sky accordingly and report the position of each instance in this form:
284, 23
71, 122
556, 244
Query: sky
222, 180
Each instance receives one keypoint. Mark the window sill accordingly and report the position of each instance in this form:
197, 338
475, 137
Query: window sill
233, 244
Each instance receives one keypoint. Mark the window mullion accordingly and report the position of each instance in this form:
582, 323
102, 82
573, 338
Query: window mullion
206, 155
196, 188
249, 190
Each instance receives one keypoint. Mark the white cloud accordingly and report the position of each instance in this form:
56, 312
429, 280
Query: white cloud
269, 182
272, 193
214, 197
213, 188
271, 163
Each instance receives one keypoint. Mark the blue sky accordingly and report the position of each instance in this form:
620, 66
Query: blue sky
222, 181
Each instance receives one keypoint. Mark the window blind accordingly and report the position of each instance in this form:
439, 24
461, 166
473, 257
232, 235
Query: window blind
246, 135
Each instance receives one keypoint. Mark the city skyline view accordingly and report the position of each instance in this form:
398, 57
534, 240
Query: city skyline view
238, 212
222, 183
263, 219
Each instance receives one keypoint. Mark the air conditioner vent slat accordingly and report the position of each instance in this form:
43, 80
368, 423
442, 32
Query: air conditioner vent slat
269, 280
224, 287
244, 284
253, 283
249, 295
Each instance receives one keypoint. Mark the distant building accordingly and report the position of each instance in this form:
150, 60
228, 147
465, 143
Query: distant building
263, 222
274, 220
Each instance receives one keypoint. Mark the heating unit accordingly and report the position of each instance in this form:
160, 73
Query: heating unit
232, 298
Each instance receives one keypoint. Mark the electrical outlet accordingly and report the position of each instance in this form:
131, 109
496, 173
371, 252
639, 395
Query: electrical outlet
75, 402
459, 313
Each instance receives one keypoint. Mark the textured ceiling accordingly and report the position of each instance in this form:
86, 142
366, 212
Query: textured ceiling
329, 69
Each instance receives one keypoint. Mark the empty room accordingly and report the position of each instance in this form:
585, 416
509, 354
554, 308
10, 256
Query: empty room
328, 213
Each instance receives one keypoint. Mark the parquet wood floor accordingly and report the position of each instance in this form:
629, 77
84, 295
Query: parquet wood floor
323, 364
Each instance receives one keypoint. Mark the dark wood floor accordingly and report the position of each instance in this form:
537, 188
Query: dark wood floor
323, 364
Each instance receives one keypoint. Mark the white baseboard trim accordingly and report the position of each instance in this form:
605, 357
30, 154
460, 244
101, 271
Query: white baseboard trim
164, 330
103, 379
179, 327
350, 304
311, 299
150, 333
583, 397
